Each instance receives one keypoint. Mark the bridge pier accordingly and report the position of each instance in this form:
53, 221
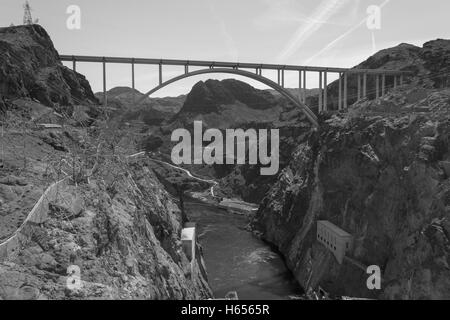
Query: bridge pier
160, 74
340, 92
104, 82
282, 78
377, 86
300, 91
325, 91
364, 85
320, 91
304, 86
345, 90
383, 84
132, 80
74, 64
359, 86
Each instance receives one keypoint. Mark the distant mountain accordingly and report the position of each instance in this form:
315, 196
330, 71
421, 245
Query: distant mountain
152, 111
231, 104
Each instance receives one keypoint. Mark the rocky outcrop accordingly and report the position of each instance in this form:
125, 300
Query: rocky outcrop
429, 66
207, 97
380, 177
121, 233
30, 67
110, 231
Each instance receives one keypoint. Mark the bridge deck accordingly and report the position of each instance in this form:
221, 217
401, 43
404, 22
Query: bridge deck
221, 64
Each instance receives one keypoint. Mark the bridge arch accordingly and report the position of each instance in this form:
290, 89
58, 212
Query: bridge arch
307, 111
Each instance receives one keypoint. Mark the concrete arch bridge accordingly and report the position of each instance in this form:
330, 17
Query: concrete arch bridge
237, 69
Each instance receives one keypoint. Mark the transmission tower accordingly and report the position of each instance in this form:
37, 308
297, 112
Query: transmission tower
27, 19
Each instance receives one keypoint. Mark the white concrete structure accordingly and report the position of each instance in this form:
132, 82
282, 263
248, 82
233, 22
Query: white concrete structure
188, 240
334, 238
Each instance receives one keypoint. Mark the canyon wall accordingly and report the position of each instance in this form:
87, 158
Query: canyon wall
111, 231
378, 172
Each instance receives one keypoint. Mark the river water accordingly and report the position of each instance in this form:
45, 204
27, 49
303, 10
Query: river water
236, 260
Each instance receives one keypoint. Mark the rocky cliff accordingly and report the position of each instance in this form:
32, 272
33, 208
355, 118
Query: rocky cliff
111, 220
122, 233
30, 67
429, 66
380, 172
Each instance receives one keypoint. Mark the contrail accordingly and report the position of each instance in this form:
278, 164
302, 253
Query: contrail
320, 16
342, 36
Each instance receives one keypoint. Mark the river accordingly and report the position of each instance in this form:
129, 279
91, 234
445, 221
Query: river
238, 261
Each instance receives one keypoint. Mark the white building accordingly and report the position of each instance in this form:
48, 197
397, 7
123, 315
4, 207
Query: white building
334, 238
188, 238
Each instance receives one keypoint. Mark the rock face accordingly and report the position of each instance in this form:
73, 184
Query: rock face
228, 104
429, 66
207, 97
380, 178
122, 234
115, 233
30, 67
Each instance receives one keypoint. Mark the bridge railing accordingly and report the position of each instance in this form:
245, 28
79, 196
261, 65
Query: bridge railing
343, 75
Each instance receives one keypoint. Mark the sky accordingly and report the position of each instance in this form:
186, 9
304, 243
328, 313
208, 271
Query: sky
331, 33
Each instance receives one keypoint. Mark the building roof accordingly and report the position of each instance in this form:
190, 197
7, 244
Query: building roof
334, 228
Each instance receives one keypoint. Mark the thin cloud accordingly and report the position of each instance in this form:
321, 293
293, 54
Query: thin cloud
320, 16
341, 37
284, 14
